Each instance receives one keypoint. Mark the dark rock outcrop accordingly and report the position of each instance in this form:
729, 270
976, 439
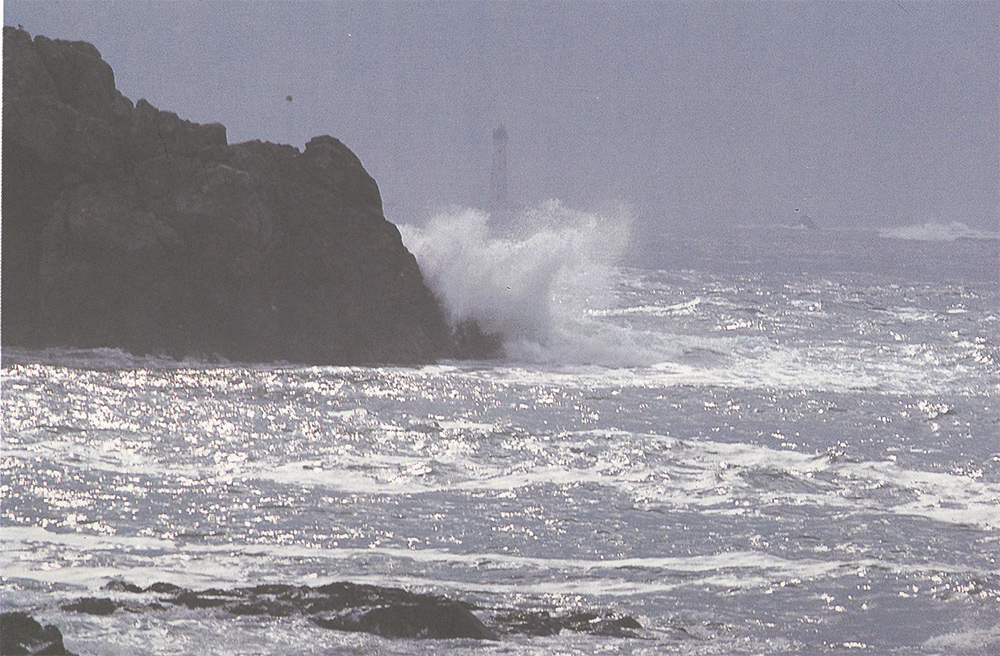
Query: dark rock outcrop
541, 623
92, 606
20, 633
435, 621
468, 341
383, 611
125, 226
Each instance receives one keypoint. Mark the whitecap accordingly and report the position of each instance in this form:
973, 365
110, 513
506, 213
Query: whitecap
535, 283
937, 231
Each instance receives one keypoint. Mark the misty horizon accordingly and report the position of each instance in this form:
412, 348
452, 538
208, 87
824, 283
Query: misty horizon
692, 114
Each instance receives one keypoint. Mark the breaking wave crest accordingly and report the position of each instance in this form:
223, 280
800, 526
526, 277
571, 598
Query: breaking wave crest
935, 231
531, 277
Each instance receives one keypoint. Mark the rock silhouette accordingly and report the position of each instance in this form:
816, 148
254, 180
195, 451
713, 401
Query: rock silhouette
384, 611
125, 226
20, 633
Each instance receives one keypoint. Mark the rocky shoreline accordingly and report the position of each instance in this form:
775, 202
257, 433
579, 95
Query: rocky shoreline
392, 613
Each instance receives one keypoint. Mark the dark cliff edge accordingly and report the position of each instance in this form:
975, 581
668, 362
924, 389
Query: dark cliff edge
127, 227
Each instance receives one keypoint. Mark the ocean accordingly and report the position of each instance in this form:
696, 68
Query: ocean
760, 441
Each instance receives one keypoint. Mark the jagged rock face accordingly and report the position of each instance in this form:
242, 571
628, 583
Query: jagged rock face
22, 634
125, 226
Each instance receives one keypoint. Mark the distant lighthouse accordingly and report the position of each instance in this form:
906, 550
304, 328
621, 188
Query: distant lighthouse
498, 172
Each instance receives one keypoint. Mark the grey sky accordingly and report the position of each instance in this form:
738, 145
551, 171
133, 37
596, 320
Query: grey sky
862, 113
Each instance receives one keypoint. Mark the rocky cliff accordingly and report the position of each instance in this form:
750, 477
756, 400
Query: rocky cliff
125, 226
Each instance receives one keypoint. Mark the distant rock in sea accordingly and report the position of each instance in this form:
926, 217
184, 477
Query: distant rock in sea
125, 226
802, 220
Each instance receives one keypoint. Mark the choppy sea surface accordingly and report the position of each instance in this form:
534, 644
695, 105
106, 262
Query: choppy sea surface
770, 441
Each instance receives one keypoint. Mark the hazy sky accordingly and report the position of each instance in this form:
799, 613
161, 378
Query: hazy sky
695, 113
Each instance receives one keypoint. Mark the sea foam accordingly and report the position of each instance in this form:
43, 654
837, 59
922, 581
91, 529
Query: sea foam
531, 277
936, 231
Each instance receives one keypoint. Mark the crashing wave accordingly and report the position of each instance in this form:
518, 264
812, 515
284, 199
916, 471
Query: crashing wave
532, 279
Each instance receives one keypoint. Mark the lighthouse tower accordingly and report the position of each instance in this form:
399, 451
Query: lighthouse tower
498, 172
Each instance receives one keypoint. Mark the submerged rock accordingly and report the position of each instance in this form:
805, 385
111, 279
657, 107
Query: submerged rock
470, 342
20, 633
383, 611
541, 623
125, 226
122, 586
538, 623
436, 620
92, 606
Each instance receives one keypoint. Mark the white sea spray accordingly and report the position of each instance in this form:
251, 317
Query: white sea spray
531, 277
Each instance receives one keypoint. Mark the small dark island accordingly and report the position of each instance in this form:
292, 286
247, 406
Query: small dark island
127, 227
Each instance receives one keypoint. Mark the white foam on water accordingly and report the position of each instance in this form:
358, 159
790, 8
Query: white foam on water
29, 554
942, 497
35, 534
937, 231
534, 283
681, 474
685, 308
983, 641
759, 363
110, 454
69, 559
385, 475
